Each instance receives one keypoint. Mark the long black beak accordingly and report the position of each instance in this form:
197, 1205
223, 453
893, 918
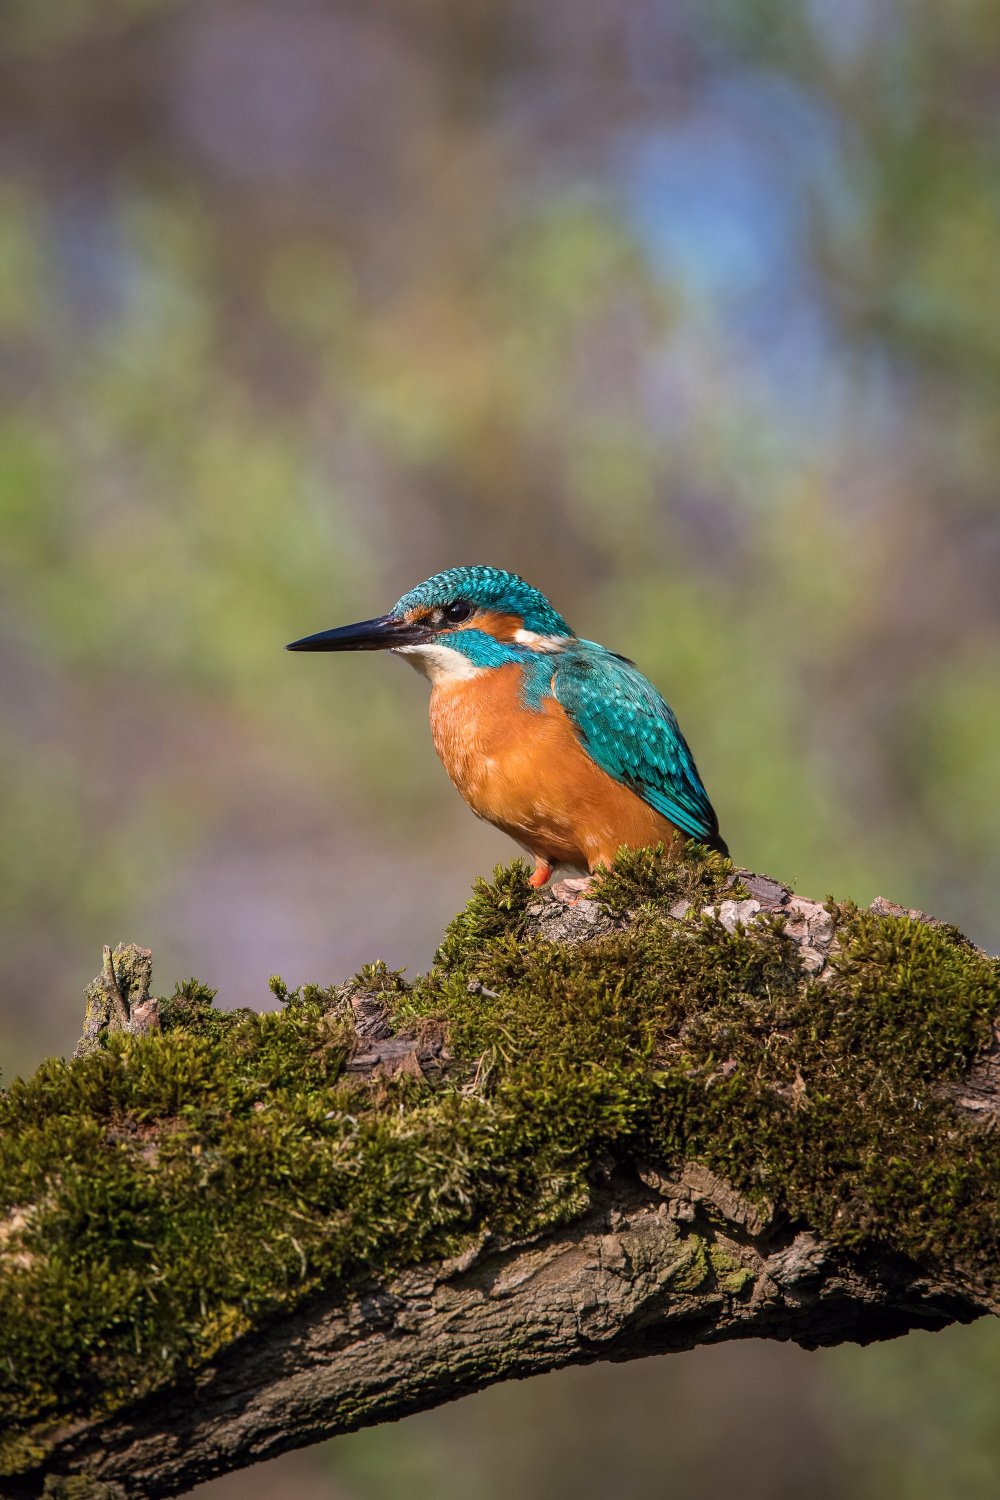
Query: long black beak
370, 635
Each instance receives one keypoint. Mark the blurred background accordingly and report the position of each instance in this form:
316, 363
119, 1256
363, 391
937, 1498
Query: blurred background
687, 310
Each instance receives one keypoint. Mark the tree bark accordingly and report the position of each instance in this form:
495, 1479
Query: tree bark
665, 1256
612, 1286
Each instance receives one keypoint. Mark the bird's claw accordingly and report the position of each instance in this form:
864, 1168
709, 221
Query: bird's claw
569, 892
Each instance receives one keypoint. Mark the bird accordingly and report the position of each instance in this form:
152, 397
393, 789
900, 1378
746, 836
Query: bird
558, 741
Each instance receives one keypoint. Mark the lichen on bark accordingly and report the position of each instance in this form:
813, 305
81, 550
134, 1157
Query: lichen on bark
118, 1000
741, 1090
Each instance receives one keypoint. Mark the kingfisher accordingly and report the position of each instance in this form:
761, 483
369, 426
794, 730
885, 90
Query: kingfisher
559, 742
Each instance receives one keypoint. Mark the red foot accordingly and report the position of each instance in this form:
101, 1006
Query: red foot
541, 875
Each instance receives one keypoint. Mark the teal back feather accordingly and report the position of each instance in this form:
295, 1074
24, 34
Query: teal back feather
631, 733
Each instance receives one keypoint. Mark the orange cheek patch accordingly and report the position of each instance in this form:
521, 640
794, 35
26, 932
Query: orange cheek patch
501, 627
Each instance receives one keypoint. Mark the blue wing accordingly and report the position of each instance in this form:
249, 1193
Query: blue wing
631, 733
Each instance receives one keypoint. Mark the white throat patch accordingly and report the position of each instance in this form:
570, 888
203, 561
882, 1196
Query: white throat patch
440, 664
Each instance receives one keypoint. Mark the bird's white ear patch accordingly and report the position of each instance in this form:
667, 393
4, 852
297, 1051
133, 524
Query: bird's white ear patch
539, 642
439, 663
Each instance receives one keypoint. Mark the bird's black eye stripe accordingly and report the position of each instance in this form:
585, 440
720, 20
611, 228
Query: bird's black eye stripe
458, 611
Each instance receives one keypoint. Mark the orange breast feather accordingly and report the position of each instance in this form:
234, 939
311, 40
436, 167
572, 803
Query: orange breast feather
527, 773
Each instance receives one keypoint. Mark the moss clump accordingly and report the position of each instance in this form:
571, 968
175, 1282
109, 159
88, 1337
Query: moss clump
731, 1276
161, 1197
191, 1007
645, 880
495, 915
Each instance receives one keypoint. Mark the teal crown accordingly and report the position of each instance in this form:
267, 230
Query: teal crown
487, 588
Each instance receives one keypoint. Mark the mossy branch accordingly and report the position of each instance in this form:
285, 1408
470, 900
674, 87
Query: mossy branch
689, 1108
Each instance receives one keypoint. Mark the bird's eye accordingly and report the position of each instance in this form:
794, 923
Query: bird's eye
460, 610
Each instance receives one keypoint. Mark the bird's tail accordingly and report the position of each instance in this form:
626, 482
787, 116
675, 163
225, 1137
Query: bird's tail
714, 841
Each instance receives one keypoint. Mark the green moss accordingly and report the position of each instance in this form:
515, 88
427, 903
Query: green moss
21, 1450
495, 915
76, 1487
190, 1006
163, 1196
645, 880
730, 1275
692, 1272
